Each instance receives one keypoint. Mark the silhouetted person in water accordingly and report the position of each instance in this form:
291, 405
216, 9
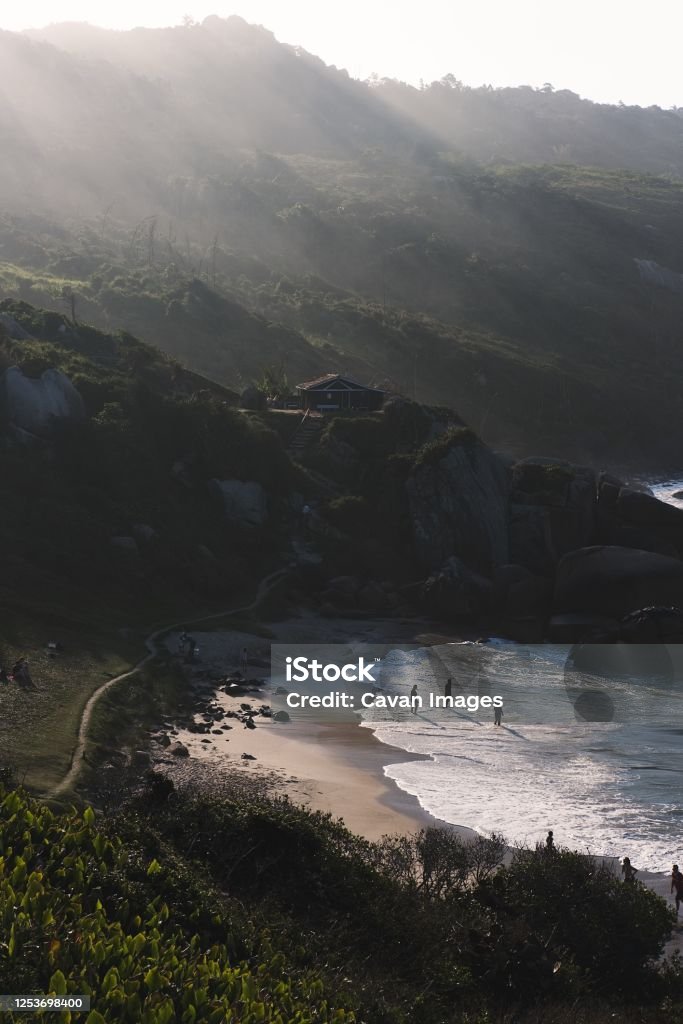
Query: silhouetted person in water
244, 661
413, 695
677, 884
550, 842
498, 716
448, 688
628, 871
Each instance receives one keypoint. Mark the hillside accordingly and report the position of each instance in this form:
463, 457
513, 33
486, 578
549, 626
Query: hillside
239, 204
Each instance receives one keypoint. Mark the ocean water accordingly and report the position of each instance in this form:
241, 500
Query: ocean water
610, 787
665, 490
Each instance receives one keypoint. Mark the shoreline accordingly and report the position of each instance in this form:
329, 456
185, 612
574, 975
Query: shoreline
337, 767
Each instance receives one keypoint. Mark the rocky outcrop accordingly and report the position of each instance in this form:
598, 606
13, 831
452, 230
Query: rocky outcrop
615, 581
244, 502
458, 504
634, 518
32, 405
456, 591
519, 593
13, 328
553, 510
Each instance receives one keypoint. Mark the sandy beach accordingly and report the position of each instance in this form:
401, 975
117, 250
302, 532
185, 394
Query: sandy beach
335, 767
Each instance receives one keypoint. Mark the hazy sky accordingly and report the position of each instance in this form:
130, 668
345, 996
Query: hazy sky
607, 50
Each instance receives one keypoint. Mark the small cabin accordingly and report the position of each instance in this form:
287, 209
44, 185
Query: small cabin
333, 393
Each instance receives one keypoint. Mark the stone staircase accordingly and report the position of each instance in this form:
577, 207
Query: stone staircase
306, 433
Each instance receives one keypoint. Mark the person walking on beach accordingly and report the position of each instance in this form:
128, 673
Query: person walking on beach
677, 884
413, 700
628, 871
498, 716
448, 688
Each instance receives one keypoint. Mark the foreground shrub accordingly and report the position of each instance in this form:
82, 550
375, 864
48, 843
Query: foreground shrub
68, 930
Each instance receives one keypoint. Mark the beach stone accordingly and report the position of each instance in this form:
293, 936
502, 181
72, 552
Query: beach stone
178, 749
614, 581
248, 757
281, 716
282, 691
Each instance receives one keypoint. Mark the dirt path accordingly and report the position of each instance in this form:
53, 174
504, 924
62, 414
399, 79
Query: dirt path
151, 644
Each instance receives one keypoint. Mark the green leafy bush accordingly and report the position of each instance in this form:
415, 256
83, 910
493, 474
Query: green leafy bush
69, 929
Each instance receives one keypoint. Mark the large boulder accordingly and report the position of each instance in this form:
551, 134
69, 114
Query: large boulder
372, 598
649, 513
456, 591
553, 510
31, 405
13, 328
614, 581
244, 502
458, 504
630, 517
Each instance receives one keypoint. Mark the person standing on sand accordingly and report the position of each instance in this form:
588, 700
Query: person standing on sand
498, 716
448, 688
413, 695
244, 661
628, 871
677, 884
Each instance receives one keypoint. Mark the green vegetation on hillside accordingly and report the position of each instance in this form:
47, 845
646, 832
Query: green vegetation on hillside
327, 224
110, 527
240, 908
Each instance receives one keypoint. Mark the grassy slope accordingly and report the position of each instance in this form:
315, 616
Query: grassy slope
62, 502
510, 294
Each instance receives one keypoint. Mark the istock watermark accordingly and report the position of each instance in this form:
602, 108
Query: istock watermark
485, 683
301, 670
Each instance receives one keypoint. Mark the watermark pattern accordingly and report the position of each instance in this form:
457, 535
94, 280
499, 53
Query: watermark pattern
548, 683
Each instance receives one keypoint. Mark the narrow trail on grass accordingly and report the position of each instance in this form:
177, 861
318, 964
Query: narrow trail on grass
151, 643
